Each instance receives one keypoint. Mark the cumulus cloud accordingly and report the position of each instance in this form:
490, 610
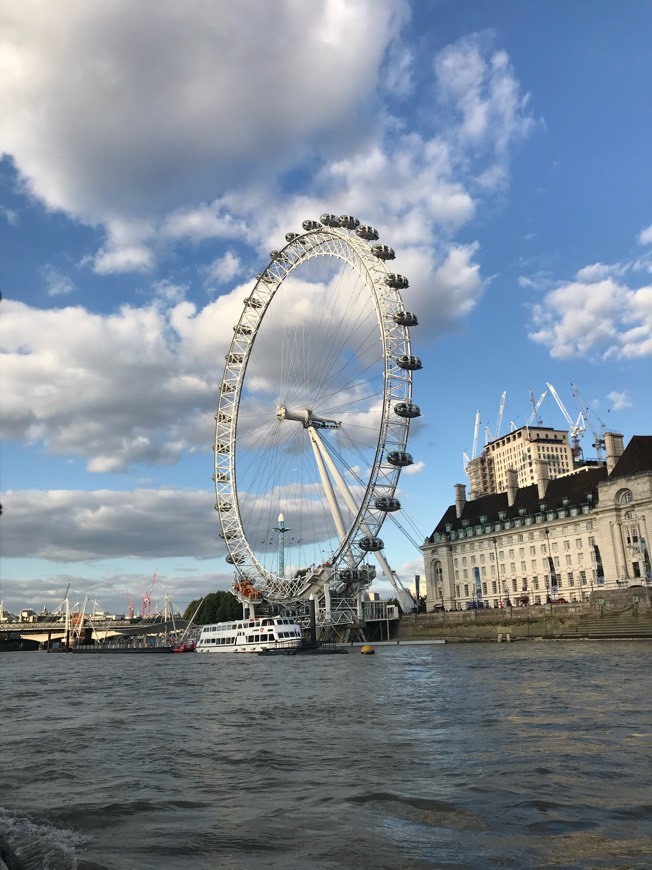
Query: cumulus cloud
619, 401
78, 526
144, 106
156, 126
119, 389
604, 317
224, 269
602, 312
56, 282
645, 236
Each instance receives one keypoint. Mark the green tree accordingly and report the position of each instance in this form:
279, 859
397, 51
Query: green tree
215, 607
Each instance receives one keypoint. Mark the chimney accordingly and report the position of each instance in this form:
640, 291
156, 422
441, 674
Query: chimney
460, 499
543, 477
512, 486
613, 443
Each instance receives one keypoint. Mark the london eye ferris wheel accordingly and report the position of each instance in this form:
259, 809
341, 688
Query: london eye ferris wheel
314, 410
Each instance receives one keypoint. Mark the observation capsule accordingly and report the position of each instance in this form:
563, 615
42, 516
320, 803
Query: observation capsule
407, 409
405, 318
252, 302
370, 545
242, 330
223, 507
222, 417
235, 560
266, 278
388, 503
398, 282
350, 574
400, 459
330, 220
227, 388
290, 237
370, 234
311, 225
410, 363
222, 447
234, 358
383, 252
348, 222
229, 534
221, 477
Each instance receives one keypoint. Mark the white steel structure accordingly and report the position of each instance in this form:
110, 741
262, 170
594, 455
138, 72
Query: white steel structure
313, 416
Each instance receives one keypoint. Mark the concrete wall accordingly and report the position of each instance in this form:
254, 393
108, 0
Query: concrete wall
610, 614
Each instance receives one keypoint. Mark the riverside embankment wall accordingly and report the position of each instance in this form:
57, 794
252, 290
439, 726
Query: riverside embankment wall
624, 613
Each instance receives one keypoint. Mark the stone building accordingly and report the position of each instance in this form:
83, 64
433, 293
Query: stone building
557, 538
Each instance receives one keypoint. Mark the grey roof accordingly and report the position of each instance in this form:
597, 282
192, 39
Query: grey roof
570, 491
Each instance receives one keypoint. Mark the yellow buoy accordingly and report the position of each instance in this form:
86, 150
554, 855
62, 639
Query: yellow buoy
367, 650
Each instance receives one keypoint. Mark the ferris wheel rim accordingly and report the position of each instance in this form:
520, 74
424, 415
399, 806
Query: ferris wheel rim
318, 240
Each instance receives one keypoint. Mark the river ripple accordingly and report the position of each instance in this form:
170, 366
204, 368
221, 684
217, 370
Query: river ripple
522, 755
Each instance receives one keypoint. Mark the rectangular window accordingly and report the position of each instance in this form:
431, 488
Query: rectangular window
514, 586
511, 554
566, 545
571, 579
569, 560
578, 544
493, 587
533, 551
535, 582
512, 567
555, 547
523, 566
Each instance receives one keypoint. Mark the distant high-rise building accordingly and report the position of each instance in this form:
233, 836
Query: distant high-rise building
522, 451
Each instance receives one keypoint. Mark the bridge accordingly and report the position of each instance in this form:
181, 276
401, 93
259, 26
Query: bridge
99, 630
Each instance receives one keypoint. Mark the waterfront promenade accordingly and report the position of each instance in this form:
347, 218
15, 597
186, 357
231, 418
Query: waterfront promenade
625, 613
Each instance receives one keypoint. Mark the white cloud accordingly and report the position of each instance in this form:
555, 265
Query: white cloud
80, 526
225, 268
483, 92
417, 468
603, 317
127, 258
141, 107
620, 400
120, 386
645, 236
56, 282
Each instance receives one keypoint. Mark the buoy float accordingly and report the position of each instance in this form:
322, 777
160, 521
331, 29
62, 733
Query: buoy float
367, 650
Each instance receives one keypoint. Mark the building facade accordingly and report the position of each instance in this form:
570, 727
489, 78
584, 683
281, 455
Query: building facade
559, 538
522, 450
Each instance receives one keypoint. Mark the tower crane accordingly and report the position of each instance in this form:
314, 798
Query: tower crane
131, 603
499, 419
535, 407
476, 430
147, 598
598, 436
577, 429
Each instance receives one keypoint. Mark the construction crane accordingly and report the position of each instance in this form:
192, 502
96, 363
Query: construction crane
577, 429
499, 419
131, 603
476, 430
147, 598
598, 442
535, 407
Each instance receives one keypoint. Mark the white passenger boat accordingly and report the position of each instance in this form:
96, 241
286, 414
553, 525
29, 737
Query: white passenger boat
250, 635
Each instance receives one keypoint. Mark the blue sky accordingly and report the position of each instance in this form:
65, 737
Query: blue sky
152, 159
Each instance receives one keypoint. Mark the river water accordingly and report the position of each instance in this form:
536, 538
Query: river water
520, 755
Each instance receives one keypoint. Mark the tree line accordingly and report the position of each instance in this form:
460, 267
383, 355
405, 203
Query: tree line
215, 607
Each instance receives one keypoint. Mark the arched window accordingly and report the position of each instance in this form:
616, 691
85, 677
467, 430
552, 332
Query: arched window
624, 496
